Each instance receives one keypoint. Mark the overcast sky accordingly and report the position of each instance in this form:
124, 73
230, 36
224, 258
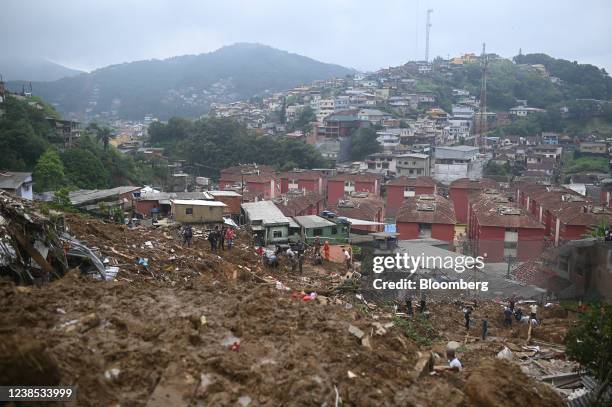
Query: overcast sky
365, 35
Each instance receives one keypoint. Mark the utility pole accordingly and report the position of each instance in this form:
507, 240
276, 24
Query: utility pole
483, 101
427, 28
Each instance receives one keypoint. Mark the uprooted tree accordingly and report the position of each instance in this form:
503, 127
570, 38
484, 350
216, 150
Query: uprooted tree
589, 343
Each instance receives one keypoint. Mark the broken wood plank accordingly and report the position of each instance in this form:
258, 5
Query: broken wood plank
35, 254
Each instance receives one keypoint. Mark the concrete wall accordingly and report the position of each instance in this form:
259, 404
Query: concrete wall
201, 213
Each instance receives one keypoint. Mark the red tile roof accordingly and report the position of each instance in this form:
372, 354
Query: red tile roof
366, 208
467, 183
298, 204
427, 209
302, 175
494, 209
413, 182
355, 177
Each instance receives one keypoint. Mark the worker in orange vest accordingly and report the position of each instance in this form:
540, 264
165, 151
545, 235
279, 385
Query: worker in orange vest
326, 250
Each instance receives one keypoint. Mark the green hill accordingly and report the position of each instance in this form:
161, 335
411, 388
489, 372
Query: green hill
185, 85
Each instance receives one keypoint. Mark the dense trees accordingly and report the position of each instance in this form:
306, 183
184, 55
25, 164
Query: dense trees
25, 135
589, 343
580, 81
304, 119
48, 174
587, 164
214, 144
364, 143
29, 143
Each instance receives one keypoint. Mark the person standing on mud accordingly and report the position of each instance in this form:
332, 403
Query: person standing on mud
409, 309
534, 311
317, 245
229, 237
326, 250
485, 327
467, 313
300, 260
187, 235
291, 255
508, 317
222, 238
347, 259
212, 238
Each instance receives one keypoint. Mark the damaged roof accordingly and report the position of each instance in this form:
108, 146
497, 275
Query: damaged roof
14, 180
87, 196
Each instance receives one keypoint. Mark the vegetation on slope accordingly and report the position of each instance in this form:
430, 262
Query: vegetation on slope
213, 144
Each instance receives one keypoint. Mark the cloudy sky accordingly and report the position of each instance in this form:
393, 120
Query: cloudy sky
362, 34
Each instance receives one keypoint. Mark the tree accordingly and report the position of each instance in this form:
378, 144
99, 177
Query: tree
62, 199
306, 116
364, 143
590, 341
84, 169
48, 174
103, 133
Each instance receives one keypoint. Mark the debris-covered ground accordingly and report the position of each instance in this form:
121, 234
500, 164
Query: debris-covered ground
196, 328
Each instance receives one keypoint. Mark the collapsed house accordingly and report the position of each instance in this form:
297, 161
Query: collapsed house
35, 248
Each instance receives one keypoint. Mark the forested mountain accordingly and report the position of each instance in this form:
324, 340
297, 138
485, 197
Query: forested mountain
184, 85
30, 69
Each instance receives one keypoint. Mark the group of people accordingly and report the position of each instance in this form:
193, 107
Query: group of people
409, 308
513, 312
467, 315
510, 312
219, 238
296, 254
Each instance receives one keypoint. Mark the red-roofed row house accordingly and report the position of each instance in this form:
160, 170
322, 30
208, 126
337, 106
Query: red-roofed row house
565, 214
402, 188
362, 206
499, 229
460, 190
313, 181
345, 184
426, 216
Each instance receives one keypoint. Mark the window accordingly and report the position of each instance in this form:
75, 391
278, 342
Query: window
317, 232
277, 233
188, 211
334, 230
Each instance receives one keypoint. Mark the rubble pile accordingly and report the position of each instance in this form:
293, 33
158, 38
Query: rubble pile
178, 325
30, 246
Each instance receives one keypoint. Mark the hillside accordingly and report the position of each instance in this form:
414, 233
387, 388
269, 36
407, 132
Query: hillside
184, 85
29, 69
562, 82
29, 143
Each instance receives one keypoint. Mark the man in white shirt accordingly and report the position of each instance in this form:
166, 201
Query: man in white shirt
454, 363
347, 259
534, 311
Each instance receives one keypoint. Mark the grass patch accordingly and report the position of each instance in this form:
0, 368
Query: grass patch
419, 329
